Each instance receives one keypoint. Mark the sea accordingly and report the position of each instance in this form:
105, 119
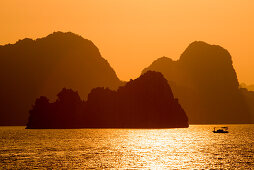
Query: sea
196, 147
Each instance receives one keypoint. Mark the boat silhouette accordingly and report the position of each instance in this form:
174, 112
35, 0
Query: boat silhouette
220, 130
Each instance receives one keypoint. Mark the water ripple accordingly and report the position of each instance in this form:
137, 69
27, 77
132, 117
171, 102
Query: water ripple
195, 147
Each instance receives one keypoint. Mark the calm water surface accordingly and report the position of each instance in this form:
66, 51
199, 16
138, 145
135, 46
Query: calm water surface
194, 147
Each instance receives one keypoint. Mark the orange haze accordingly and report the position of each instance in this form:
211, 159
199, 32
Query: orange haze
132, 33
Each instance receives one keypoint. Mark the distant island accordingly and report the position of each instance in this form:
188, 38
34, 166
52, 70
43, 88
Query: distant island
146, 102
206, 84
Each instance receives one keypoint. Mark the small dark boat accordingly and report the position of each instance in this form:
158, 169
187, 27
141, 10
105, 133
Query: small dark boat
220, 130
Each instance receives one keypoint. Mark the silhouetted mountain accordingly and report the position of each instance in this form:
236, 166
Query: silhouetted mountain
146, 102
31, 68
249, 87
206, 84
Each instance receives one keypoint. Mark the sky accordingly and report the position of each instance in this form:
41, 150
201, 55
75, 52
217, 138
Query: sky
131, 34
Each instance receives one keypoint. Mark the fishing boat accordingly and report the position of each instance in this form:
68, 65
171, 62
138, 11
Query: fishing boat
220, 130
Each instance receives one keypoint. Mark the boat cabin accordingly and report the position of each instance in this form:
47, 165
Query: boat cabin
220, 130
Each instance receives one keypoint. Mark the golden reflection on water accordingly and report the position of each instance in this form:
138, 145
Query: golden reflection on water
195, 147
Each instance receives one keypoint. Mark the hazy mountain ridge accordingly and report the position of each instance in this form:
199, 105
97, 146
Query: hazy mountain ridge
249, 87
30, 68
146, 102
206, 84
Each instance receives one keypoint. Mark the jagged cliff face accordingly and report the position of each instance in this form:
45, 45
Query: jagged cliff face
148, 101
206, 84
31, 68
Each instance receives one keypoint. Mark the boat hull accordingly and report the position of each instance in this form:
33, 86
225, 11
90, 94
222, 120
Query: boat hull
219, 132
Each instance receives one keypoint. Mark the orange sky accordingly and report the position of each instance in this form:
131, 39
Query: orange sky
132, 33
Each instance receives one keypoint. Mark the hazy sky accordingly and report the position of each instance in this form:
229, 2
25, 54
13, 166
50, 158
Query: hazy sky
132, 33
